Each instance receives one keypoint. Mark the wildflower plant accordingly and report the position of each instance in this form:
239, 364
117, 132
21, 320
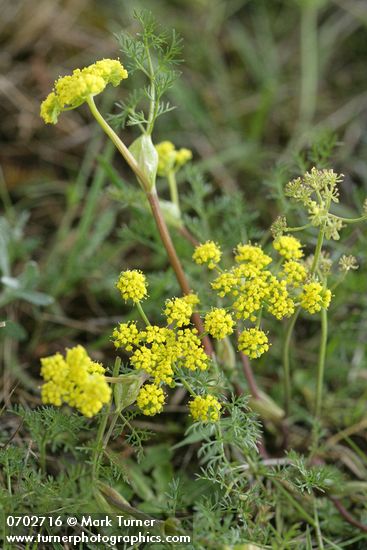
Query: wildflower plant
248, 289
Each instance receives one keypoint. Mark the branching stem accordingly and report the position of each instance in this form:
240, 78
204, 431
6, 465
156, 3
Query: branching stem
157, 214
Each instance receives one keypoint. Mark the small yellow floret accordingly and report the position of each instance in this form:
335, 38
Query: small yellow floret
70, 91
156, 361
179, 311
75, 380
133, 285
150, 399
253, 342
314, 297
207, 253
289, 247
218, 323
110, 70
126, 335
253, 254
155, 335
171, 159
205, 409
294, 272
183, 156
189, 350
226, 283
251, 296
50, 109
279, 303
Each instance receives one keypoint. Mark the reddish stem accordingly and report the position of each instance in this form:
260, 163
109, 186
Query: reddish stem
186, 233
347, 516
249, 374
176, 264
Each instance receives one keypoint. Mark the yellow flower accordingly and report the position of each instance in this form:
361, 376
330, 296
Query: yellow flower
154, 334
52, 393
225, 283
294, 272
218, 323
171, 159
155, 361
192, 299
252, 293
133, 285
126, 335
72, 90
253, 342
207, 253
50, 108
150, 399
75, 380
183, 156
253, 254
289, 247
205, 409
90, 399
279, 303
314, 297
189, 351
179, 311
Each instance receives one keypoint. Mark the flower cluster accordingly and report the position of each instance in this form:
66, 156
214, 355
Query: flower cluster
314, 297
72, 90
75, 380
294, 273
205, 409
164, 353
316, 191
150, 399
207, 253
251, 255
159, 351
126, 335
133, 285
253, 342
254, 285
289, 247
218, 323
179, 310
171, 159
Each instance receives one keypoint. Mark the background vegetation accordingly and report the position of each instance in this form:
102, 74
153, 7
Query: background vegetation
268, 89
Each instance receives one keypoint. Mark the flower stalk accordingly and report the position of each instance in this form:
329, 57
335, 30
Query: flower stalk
157, 214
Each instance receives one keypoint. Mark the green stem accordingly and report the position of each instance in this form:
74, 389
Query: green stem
142, 313
99, 442
171, 177
153, 100
317, 527
121, 147
321, 362
286, 361
350, 220
294, 503
110, 429
300, 228
316, 258
188, 387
